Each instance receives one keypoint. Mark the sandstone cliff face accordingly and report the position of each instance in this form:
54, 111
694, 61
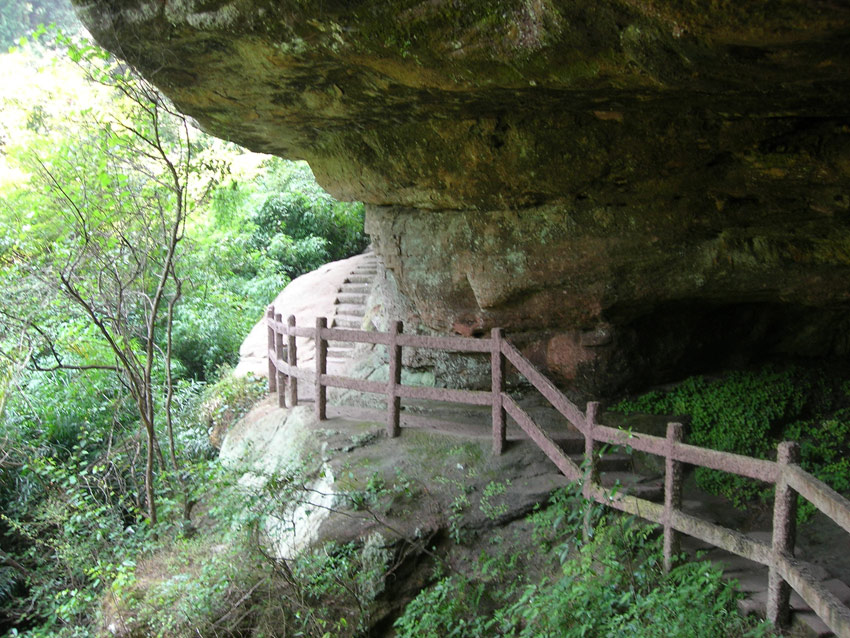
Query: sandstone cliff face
626, 186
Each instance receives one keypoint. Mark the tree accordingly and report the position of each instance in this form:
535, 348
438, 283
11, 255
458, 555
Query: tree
18, 19
101, 226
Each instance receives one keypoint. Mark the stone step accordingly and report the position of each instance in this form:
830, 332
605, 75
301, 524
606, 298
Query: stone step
358, 279
363, 288
349, 309
608, 462
806, 623
351, 322
572, 445
351, 297
369, 270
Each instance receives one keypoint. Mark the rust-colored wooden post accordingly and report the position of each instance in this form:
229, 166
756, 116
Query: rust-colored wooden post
278, 351
672, 495
393, 401
292, 360
591, 469
321, 368
270, 349
784, 536
497, 372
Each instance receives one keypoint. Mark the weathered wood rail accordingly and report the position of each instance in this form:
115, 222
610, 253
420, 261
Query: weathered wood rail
784, 571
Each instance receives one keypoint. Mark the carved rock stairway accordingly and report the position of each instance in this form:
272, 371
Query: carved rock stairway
350, 305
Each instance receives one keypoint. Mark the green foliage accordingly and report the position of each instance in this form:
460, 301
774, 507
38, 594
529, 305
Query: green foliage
615, 586
610, 585
297, 256
189, 588
207, 336
19, 19
301, 229
77, 541
489, 505
224, 581
343, 580
81, 199
749, 412
450, 608
228, 400
824, 451
737, 413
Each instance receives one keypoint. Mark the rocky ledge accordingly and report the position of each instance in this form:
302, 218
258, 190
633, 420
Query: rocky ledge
631, 188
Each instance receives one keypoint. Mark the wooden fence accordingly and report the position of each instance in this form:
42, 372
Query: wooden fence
784, 571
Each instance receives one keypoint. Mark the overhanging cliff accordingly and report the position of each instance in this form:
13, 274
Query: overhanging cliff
633, 188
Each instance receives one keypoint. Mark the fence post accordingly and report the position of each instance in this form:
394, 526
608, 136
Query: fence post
321, 368
292, 360
394, 402
784, 536
591, 470
497, 373
270, 348
278, 351
672, 495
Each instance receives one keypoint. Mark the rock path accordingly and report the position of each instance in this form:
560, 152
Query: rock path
350, 304
341, 290
639, 478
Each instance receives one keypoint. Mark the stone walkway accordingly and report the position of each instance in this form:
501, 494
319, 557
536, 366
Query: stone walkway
350, 304
353, 279
638, 477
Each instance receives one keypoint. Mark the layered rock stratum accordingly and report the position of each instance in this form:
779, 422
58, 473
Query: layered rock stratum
631, 188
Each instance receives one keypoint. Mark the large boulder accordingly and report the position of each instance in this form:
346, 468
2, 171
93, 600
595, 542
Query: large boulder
631, 188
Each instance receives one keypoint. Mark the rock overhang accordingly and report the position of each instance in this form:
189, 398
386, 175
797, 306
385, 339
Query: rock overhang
552, 167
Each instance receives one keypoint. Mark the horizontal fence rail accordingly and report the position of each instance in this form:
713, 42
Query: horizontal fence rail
784, 571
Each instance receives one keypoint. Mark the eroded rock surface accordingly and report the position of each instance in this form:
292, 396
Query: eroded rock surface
630, 187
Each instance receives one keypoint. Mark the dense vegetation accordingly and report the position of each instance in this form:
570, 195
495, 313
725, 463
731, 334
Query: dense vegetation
751, 411
135, 254
609, 584
546, 583
19, 19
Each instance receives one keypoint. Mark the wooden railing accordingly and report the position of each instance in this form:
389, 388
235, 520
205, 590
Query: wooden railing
784, 571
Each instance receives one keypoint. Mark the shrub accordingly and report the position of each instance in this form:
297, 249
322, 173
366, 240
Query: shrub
749, 412
208, 332
228, 400
294, 257
308, 225
742, 413
451, 608
611, 585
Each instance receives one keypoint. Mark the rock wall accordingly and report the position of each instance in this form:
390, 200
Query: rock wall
631, 188
603, 295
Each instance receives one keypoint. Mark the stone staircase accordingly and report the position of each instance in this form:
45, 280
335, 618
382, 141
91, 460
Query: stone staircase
350, 305
752, 581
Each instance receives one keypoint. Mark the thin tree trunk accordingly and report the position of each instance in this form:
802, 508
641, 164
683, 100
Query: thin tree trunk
149, 459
